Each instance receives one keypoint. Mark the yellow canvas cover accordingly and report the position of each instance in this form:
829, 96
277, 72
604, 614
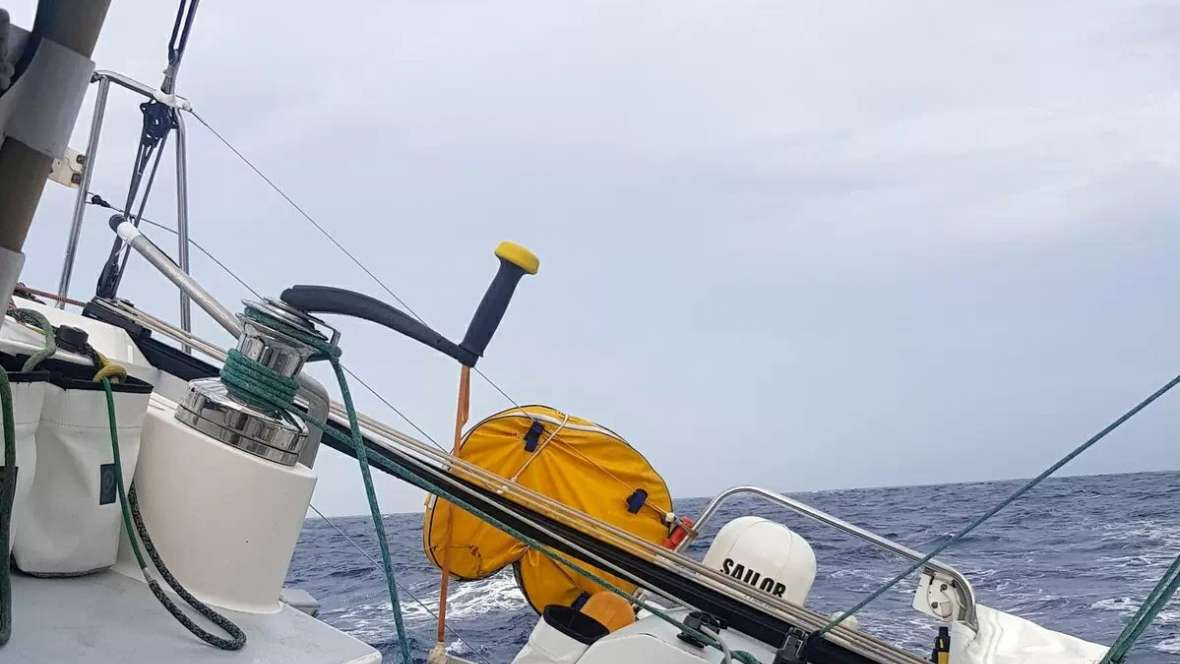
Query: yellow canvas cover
573, 460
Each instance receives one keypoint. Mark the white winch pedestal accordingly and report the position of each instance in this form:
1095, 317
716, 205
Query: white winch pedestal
225, 521
219, 483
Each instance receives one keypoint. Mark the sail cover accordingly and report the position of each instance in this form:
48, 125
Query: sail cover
570, 459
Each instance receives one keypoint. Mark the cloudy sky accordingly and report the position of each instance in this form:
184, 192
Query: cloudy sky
802, 245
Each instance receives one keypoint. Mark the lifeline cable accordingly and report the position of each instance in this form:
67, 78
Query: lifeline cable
999, 506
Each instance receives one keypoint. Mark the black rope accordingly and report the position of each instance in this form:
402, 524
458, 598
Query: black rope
237, 636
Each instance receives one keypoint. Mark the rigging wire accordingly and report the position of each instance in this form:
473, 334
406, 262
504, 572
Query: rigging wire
377, 565
179, 41
323, 231
98, 200
356, 261
394, 408
327, 234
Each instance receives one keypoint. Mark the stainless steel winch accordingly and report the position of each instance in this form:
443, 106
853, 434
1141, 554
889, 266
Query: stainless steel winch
210, 408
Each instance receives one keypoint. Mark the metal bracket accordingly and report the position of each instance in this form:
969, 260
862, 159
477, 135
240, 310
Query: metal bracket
174, 101
792, 649
938, 595
67, 170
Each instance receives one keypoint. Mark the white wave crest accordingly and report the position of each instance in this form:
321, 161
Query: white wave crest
471, 599
476, 598
1127, 607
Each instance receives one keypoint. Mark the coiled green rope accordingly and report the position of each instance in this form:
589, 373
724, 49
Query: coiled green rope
39, 321
245, 379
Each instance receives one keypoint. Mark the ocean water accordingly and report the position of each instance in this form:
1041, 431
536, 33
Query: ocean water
1076, 555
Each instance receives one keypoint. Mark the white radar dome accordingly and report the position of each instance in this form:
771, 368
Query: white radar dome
766, 555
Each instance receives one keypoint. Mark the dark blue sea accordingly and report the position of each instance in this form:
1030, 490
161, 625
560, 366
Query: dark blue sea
1075, 555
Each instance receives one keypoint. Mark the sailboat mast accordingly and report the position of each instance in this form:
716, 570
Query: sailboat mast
23, 169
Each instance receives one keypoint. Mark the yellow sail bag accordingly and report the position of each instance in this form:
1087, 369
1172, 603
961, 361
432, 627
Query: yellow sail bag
575, 461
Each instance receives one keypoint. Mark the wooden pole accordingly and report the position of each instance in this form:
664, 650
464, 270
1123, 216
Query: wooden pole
74, 24
461, 412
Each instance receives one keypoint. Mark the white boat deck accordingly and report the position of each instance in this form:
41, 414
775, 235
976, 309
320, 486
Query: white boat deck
107, 618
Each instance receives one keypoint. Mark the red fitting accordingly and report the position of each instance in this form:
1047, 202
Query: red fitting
679, 533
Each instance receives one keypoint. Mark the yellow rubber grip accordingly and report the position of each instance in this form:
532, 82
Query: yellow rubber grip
518, 256
109, 369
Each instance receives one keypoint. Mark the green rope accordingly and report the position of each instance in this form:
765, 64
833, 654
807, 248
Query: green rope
374, 510
265, 394
106, 386
38, 320
1151, 607
7, 495
128, 506
246, 379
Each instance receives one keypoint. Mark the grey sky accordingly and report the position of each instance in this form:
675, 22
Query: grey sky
802, 245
